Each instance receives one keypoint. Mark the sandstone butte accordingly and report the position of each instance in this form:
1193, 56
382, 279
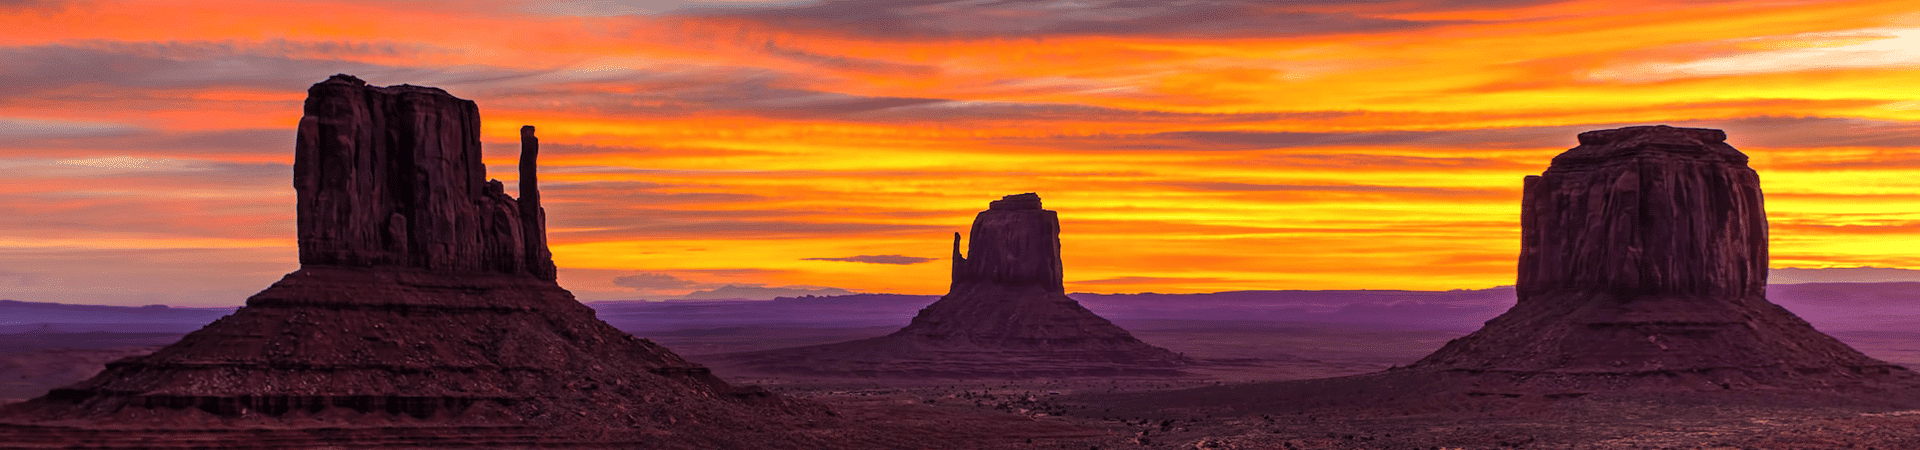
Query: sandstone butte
1006, 314
1642, 276
1643, 262
424, 314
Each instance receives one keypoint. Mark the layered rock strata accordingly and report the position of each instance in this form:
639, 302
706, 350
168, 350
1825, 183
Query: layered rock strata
1006, 314
1642, 278
391, 177
424, 314
1644, 261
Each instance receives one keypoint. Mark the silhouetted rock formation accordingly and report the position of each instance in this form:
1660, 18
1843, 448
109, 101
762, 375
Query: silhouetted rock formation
1645, 211
1644, 260
1006, 314
424, 314
1642, 277
391, 177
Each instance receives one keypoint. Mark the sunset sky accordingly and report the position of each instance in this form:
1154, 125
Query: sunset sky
1188, 145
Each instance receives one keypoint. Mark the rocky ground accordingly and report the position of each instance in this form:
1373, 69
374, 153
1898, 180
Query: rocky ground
1056, 414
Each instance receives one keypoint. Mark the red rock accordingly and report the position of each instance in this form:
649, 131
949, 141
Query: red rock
391, 177
425, 313
1006, 314
1645, 211
1642, 278
1644, 258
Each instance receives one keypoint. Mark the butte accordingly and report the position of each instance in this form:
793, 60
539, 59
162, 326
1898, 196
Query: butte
1643, 263
1642, 275
425, 313
1006, 315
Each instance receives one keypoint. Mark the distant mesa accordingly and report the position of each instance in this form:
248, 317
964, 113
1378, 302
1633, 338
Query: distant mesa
1006, 314
424, 314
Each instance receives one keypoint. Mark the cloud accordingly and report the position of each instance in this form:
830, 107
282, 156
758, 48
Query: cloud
664, 224
603, 8
1852, 49
245, 143
758, 292
653, 281
1786, 131
1864, 274
850, 63
185, 199
179, 171
1385, 162
675, 91
179, 65
1754, 131
1501, 138
16, 128
1219, 186
661, 284
178, 277
1027, 112
935, 19
20, 279
878, 259
34, 5
1123, 281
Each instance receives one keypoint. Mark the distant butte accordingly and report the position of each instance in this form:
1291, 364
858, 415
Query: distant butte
1006, 314
1643, 263
424, 314
1642, 275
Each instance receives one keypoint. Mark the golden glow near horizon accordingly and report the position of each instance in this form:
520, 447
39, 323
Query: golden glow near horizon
1211, 146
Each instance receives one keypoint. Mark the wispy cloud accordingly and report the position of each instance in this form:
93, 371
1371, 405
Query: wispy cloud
647, 282
974, 19
16, 128
1873, 48
878, 259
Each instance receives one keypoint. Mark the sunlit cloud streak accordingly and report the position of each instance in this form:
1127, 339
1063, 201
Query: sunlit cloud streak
933, 19
878, 259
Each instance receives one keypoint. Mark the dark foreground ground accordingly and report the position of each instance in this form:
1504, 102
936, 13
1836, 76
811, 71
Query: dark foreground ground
1571, 424
1088, 413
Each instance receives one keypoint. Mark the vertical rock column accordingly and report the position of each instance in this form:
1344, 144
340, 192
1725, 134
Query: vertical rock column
539, 260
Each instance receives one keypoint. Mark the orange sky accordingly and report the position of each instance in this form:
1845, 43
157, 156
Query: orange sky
1189, 146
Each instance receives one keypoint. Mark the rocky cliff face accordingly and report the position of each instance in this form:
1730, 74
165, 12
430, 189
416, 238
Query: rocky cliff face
1006, 314
1645, 211
1015, 244
391, 177
1643, 263
424, 315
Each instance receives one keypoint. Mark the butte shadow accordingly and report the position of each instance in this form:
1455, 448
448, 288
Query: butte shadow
425, 314
1006, 315
1642, 276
